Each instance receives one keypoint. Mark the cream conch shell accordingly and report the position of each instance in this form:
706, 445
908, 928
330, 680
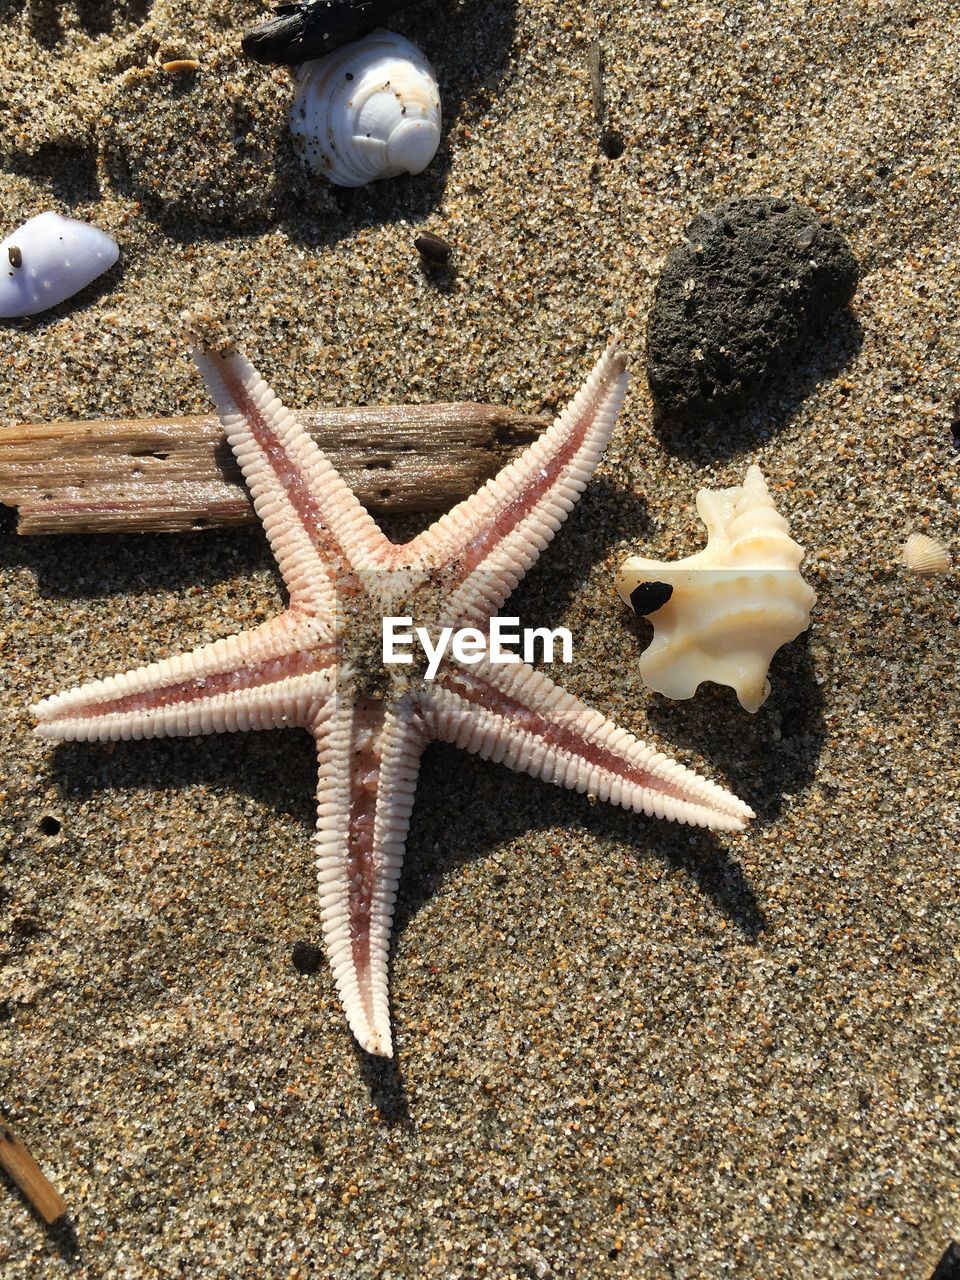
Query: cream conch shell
369, 110
723, 613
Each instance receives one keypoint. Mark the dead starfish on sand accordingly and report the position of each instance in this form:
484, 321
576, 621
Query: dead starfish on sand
319, 666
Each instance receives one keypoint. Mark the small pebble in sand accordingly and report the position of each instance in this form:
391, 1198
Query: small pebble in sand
925, 555
306, 957
755, 277
432, 247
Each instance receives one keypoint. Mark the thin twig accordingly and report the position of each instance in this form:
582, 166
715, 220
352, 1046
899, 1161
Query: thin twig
595, 68
17, 1161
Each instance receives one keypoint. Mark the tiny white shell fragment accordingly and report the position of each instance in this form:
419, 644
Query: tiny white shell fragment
728, 608
48, 259
367, 111
925, 555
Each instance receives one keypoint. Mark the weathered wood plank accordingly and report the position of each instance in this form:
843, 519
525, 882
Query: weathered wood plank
178, 474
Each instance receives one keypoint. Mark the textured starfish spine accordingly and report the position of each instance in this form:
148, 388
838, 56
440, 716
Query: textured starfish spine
318, 666
517, 716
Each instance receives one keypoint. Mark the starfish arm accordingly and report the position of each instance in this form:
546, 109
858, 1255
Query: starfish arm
516, 715
485, 544
274, 676
318, 530
369, 756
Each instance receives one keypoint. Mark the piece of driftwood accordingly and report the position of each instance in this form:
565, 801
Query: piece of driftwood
176, 474
17, 1161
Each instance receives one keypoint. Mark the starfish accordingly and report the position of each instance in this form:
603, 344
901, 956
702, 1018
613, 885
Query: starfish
320, 665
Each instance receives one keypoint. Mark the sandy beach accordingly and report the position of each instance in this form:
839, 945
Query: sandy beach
623, 1047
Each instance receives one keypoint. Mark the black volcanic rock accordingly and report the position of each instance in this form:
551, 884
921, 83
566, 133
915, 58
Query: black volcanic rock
948, 1268
756, 277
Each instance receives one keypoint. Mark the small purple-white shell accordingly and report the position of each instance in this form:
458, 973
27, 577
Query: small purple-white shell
48, 259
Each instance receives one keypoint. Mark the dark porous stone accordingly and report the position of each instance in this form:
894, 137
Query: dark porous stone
948, 1268
756, 277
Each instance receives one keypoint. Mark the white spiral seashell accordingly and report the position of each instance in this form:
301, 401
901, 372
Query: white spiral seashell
925, 555
369, 110
731, 606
